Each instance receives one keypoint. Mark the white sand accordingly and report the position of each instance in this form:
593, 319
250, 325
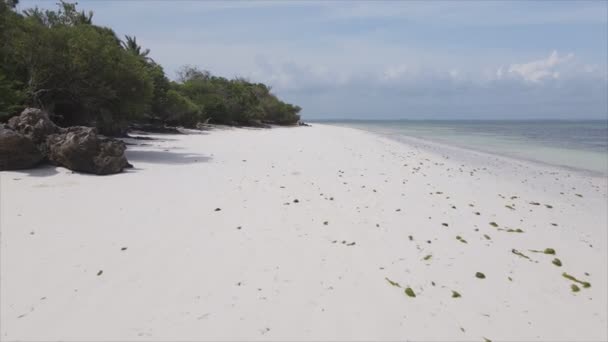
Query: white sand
190, 274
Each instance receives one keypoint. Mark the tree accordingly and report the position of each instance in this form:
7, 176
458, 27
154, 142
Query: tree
76, 70
130, 45
83, 74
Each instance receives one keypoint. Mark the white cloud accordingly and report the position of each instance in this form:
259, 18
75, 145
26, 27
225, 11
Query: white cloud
539, 70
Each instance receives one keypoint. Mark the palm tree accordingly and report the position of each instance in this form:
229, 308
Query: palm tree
130, 44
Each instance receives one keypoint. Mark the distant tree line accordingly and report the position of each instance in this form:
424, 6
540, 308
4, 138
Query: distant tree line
84, 74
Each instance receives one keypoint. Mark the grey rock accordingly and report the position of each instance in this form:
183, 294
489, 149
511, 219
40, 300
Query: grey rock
82, 149
34, 124
17, 151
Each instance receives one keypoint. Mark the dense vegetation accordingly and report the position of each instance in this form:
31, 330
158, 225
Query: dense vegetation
85, 74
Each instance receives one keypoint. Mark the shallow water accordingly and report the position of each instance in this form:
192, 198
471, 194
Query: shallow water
581, 145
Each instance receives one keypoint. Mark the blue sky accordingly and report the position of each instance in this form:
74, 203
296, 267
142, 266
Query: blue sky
387, 60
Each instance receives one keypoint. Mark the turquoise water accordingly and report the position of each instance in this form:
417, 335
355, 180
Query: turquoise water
579, 145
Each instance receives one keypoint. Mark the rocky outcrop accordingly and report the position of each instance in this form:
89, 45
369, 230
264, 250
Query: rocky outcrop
17, 151
34, 124
82, 149
31, 137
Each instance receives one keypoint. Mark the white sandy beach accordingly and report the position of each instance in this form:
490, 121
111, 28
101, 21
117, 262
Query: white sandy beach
312, 222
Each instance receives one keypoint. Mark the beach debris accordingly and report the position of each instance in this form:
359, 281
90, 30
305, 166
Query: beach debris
393, 283
518, 253
123, 249
459, 238
550, 251
408, 291
510, 207
296, 201
549, 206
579, 195
351, 244
557, 262
325, 223
99, 273
480, 275
511, 230
217, 209
570, 277
411, 238
444, 224
534, 203
477, 213
455, 294
239, 227
487, 237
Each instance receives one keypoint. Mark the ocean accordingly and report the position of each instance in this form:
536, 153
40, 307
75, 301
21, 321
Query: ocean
578, 145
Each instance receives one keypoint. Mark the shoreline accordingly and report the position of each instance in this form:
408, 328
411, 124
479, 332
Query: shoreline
469, 149
291, 234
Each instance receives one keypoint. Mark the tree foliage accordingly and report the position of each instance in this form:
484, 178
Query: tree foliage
85, 75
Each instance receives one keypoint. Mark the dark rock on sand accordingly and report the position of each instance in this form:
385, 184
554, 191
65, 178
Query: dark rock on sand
34, 124
17, 151
82, 149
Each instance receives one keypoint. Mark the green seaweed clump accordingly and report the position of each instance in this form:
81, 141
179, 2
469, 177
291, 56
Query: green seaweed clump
575, 288
393, 283
545, 251
455, 294
480, 275
428, 257
518, 253
557, 262
494, 224
510, 230
459, 238
584, 283
410, 292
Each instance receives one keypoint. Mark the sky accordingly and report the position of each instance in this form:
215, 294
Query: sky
387, 60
